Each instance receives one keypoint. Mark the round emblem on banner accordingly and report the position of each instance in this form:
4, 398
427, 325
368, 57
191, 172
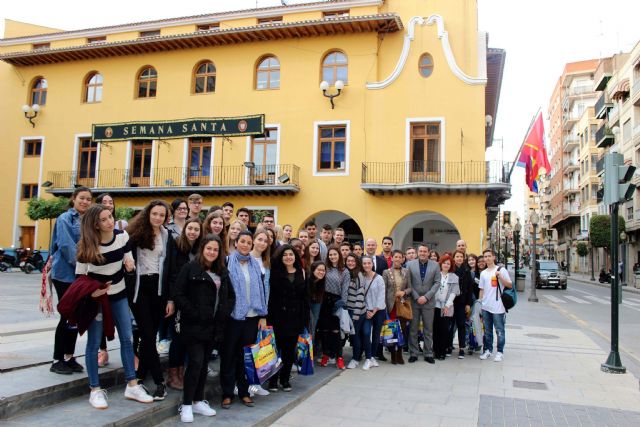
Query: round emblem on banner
108, 132
242, 125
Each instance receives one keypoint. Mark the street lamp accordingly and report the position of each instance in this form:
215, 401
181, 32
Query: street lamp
324, 87
31, 112
516, 239
569, 258
534, 219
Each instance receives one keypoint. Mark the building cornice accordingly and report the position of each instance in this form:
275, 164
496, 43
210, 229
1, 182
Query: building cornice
323, 6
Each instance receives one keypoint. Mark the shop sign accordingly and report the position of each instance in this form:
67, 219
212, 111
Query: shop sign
173, 129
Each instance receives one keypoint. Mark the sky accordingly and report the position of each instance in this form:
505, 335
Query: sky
539, 38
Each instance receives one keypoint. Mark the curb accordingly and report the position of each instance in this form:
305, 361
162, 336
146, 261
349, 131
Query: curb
628, 288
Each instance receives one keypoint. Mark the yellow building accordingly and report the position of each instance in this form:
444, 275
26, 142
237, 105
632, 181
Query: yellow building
401, 154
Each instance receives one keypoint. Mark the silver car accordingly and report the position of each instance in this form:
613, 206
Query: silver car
550, 274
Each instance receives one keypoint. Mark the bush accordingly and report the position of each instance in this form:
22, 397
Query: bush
124, 212
582, 249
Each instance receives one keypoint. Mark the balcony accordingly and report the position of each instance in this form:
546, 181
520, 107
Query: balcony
603, 73
570, 210
636, 136
426, 177
570, 189
227, 180
614, 115
569, 119
600, 166
635, 92
569, 166
570, 142
604, 137
580, 90
603, 105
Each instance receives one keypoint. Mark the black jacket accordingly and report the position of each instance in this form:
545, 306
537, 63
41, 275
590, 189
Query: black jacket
466, 286
289, 304
195, 295
178, 260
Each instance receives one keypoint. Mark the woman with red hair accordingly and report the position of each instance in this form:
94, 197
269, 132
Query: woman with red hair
446, 293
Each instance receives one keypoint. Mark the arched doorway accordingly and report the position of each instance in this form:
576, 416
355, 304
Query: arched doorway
436, 230
335, 219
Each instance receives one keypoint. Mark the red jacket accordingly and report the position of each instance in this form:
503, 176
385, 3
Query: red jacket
79, 308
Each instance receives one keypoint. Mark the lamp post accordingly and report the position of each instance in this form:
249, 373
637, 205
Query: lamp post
516, 239
534, 219
569, 257
31, 112
324, 87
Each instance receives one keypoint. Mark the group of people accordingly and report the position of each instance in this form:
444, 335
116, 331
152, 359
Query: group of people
215, 281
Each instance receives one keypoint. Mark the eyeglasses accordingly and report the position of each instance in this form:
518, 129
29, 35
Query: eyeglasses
182, 209
267, 220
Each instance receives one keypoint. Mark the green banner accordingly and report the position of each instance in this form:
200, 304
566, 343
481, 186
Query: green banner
171, 129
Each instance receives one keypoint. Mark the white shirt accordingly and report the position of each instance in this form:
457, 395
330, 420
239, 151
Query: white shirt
489, 286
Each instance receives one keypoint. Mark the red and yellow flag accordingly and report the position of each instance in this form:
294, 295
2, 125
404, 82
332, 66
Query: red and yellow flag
533, 155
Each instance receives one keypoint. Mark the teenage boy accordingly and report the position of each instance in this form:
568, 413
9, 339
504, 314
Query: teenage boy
312, 230
493, 281
195, 205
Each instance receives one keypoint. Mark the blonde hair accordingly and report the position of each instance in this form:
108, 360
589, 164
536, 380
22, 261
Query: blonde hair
228, 242
279, 233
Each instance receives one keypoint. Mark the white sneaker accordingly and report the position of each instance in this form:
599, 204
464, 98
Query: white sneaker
367, 364
332, 361
163, 346
498, 357
98, 399
257, 389
203, 408
485, 355
186, 413
353, 364
138, 393
374, 362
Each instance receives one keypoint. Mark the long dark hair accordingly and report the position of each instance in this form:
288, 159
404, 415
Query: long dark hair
89, 243
340, 265
217, 265
101, 197
358, 269
78, 191
278, 269
140, 229
183, 243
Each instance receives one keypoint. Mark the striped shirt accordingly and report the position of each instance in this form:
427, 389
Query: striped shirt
112, 269
355, 300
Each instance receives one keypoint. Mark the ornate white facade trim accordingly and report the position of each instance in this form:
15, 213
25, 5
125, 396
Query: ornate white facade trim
443, 35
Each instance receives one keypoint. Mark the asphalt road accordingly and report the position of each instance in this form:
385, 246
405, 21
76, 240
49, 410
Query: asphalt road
589, 306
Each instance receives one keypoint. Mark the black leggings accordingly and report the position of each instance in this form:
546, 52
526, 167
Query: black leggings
287, 346
149, 310
195, 376
238, 333
332, 343
66, 335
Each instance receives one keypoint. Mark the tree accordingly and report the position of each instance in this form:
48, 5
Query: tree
600, 230
50, 209
125, 213
582, 249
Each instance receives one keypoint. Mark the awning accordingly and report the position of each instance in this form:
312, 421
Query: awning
380, 23
622, 89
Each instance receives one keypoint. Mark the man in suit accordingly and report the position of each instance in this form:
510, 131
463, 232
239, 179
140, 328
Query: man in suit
425, 281
379, 262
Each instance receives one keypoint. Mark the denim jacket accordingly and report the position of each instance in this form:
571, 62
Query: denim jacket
64, 241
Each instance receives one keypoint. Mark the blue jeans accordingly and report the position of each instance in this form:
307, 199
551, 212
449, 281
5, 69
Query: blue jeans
376, 321
122, 319
362, 338
491, 320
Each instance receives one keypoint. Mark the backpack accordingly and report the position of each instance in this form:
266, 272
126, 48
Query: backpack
509, 297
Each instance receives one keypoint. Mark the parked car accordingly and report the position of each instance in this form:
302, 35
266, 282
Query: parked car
549, 274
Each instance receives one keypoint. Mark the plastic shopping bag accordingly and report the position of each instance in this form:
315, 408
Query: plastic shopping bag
391, 334
304, 353
261, 360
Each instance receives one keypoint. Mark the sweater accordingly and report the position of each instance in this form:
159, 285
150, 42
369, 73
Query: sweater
337, 282
375, 292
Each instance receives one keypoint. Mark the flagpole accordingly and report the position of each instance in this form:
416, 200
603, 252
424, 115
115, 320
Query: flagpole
524, 140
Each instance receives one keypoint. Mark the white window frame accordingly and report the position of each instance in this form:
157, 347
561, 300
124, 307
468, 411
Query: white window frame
247, 155
347, 151
186, 161
272, 208
74, 166
16, 208
443, 144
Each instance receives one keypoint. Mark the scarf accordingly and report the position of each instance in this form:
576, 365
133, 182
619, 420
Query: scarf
257, 300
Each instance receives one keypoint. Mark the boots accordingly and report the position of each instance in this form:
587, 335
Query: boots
394, 359
174, 379
399, 359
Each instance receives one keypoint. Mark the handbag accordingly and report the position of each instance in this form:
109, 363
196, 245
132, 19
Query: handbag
403, 308
304, 353
261, 360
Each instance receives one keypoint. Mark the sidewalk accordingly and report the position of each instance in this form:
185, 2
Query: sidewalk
550, 376
586, 278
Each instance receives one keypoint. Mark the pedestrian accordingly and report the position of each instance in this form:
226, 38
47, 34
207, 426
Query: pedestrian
64, 240
244, 215
235, 228
434, 256
397, 289
345, 249
361, 338
425, 281
410, 254
248, 314
289, 309
312, 230
287, 233
151, 246
104, 255
227, 213
204, 295
357, 249
374, 296
273, 240
336, 289
194, 202
312, 252
461, 246
387, 250
338, 236
185, 251
304, 237
379, 261
444, 307
326, 235
214, 224
299, 247
476, 305
315, 280
107, 201
493, 280
482, 264
461, 303
179, 214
